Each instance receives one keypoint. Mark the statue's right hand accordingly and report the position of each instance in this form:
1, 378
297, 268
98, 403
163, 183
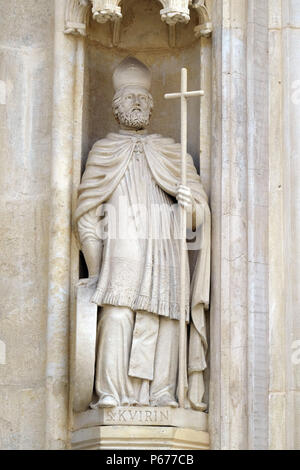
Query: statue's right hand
88, 282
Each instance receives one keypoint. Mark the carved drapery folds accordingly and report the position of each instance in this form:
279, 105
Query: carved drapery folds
173, 12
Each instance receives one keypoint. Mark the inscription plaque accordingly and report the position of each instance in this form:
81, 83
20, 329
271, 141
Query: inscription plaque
142, 416
138, 416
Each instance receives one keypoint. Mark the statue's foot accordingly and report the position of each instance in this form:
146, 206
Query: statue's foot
106, 402
199, 406
165, 400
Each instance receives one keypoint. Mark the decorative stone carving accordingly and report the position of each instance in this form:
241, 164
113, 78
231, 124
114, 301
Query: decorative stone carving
106, 10
175, 11
135, 270
76, 17
204, 28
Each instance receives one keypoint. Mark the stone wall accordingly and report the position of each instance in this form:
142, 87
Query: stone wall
250, 161
26, 49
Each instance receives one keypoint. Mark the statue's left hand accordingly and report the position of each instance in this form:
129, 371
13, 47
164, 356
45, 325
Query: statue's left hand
88, 282
185, 198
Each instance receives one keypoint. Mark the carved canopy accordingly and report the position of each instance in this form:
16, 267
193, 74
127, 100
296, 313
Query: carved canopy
173, 12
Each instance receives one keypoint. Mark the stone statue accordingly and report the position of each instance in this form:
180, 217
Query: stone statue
127, 224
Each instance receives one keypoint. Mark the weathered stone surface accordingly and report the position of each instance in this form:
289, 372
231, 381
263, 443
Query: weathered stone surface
142, 416
25, 135
250, 166
139, 437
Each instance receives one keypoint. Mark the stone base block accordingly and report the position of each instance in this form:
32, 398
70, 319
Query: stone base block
142, 416
139, 438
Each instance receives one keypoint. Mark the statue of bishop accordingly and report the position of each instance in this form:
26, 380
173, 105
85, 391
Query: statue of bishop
132, 180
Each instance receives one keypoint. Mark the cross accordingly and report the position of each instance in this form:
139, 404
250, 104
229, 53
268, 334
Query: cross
183, 95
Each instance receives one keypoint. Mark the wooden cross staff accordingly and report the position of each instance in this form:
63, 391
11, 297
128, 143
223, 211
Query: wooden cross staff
183, 95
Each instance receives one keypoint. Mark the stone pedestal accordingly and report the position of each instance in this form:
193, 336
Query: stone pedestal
139, 437
140, 428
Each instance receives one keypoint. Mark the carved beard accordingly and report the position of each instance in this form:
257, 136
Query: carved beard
136, 119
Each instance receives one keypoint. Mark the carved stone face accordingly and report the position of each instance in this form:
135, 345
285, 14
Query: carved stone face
132, 107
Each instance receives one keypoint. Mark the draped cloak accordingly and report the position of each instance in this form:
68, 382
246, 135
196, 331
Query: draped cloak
106, 165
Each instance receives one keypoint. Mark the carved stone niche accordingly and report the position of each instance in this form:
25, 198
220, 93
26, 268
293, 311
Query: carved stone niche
173, 12
145, 36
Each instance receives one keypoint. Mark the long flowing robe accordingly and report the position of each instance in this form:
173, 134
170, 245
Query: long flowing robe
106, 166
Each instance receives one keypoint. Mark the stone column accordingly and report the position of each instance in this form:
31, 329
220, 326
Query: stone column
206, 106
60, 235
239, 179
258, 229
284, 389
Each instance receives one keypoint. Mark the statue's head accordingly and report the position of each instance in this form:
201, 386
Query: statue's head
132, 103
